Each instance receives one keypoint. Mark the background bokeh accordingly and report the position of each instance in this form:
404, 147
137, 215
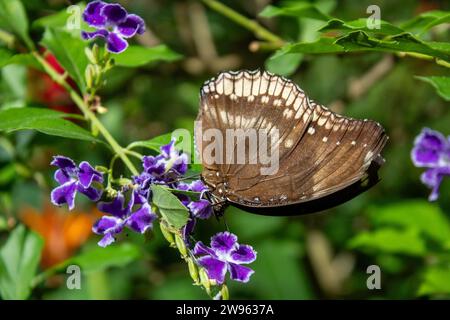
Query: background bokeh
324, 255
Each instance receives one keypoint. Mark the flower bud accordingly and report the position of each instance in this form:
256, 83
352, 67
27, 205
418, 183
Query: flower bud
167, 234
90, 55
181, 245
225, 293
193, 270
204, 280
96, 53
89, 75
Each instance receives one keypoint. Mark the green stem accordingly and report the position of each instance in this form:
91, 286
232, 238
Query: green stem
247, 23
41, 277
60, 79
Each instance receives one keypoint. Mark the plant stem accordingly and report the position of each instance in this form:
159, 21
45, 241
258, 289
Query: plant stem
60, 79
247, 23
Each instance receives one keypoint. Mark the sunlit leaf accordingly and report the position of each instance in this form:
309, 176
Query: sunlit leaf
19, 259
136, 56
441, 84
361, 41
69, 51
417, 214
390, 240
320, 46
170, 207
386, 28
436, 281
43, 120
153, 144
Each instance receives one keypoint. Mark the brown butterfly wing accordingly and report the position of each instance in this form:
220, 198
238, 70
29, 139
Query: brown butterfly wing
324, 158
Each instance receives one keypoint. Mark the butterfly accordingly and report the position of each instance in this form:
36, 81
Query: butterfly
322, 159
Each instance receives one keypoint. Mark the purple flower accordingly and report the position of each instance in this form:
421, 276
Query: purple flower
73, 179
225, 254
113, 23
139, 220
166, 166
201, 209
432, 150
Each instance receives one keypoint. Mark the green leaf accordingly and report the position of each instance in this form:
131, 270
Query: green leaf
418, 214
69, 51
441, 84
361, 41
436, 281
284, 65
280, 272
19, 259
43, 120
26, 59
426, 21
320, 46
55, 20
13, 16
386, 28
153, 144
136, 56
389, 240
5, 55
172, 210
97, 258
300, 10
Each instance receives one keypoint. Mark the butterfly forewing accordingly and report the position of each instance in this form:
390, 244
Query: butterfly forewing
319, 152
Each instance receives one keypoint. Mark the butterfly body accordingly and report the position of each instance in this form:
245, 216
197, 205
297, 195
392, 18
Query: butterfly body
322, 158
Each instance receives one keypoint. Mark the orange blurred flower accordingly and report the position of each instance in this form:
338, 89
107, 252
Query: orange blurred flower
63, 232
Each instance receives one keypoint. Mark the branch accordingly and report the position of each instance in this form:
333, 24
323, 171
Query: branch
247, 23
60, 79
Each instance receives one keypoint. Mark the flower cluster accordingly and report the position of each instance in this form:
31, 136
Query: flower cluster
113, 23
432, 151
130, 206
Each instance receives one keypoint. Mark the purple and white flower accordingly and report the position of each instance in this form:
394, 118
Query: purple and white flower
432, 151
137, 219
73, 179
225, 254
113, 23
166, 166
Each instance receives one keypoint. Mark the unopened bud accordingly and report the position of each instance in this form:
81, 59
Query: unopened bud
102, 169
167, 234
225, 293
101, 109
96, 53
204, 280
90, 55
181, 245
193, 270
89, 75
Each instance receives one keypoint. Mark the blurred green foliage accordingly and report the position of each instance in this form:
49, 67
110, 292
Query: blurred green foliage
154, 90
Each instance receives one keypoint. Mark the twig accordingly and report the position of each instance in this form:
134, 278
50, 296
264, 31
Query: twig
247, 23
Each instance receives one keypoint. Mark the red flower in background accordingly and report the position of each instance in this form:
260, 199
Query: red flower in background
46, 91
